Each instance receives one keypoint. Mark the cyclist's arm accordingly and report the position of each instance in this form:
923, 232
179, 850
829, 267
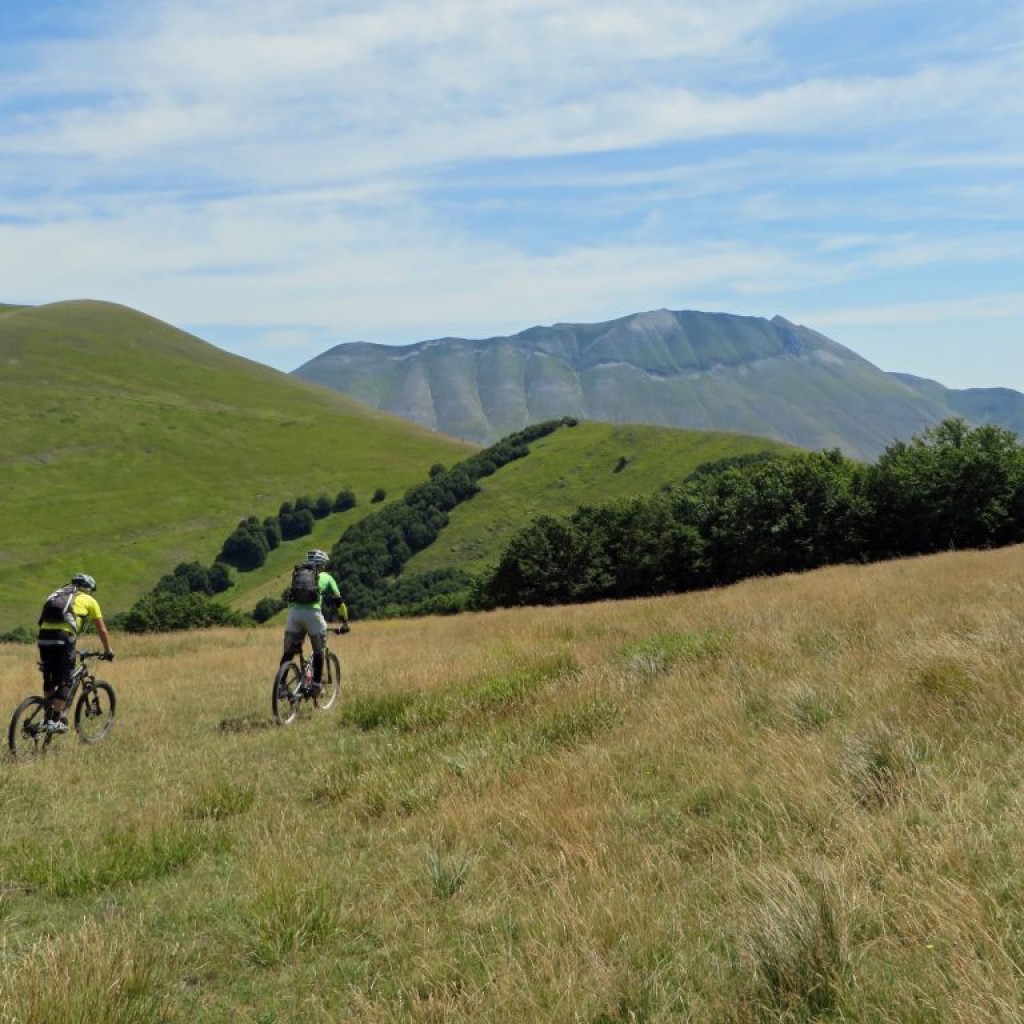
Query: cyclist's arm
101, 629
94, 612
91, 611
330, 585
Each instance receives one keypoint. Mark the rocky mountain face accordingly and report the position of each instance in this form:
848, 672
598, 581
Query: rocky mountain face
705, 371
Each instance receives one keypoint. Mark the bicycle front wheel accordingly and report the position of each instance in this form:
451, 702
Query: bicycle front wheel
330, 685
27, 736
94, 711
285, 697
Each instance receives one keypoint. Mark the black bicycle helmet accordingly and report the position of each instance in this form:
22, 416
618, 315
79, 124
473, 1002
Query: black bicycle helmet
83, 579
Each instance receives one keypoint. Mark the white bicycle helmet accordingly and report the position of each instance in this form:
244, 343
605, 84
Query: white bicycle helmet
83, 579
317, 557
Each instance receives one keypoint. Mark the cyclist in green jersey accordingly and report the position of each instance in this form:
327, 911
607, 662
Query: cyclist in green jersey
305, 617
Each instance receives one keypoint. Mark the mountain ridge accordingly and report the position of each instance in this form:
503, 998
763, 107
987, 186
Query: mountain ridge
685, 369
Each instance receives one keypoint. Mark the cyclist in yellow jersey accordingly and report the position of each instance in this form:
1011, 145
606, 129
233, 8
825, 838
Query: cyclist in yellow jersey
306, 617
56, 642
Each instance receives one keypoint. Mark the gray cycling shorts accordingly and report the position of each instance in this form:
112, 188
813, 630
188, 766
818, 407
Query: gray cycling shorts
304, 622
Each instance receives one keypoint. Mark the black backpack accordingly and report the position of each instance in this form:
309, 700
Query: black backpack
57, 608
305, 588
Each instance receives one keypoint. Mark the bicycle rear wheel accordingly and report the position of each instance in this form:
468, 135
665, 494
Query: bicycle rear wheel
285, 697
27, 736
330, 685
94, 711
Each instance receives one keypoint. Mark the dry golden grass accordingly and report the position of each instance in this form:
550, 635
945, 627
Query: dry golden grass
793, 799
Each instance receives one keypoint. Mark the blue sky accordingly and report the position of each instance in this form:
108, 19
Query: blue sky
278, 176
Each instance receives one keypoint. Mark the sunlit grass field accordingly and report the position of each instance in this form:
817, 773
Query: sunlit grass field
793, 799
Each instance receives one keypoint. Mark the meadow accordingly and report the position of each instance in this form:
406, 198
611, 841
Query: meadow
792, 799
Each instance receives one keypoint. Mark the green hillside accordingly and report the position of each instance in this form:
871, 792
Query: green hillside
587, 464
128, 446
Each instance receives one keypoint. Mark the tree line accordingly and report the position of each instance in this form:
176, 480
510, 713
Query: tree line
951, 487
370, 555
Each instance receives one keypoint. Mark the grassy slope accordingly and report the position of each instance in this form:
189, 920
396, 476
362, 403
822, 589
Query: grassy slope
128, 446
571, 467
574, 467
793, 799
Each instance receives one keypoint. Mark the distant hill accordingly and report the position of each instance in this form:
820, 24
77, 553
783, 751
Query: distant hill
1002, 406
129, 446
693, 370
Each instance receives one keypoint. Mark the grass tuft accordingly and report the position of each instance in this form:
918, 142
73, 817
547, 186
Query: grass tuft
657, 654
101, 974
797, 947
879, 765
120, 857
379, 711
289, 913
447, 872
219, 800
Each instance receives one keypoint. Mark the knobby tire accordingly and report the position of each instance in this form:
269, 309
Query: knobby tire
26, 737
94, 711
331, 682
285, 696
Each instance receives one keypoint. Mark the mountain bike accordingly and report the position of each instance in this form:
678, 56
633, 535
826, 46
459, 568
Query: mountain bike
30, 732
294, 687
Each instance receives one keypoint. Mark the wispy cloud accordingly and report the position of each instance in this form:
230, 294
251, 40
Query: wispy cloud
333, 169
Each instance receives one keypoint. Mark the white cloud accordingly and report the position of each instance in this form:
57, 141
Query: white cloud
997, 306
393, 169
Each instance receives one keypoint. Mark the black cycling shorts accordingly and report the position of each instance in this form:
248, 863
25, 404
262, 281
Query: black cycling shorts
57, 654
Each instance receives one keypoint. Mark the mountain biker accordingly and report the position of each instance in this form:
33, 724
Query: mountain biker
306, 617
56, 642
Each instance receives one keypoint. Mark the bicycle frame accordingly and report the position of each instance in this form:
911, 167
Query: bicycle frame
78, 676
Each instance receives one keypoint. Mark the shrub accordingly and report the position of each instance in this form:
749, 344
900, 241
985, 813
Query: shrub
267, 608
220, 577
247, 547
19, 635
299, 523
163, 613
345, 500
272, 531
